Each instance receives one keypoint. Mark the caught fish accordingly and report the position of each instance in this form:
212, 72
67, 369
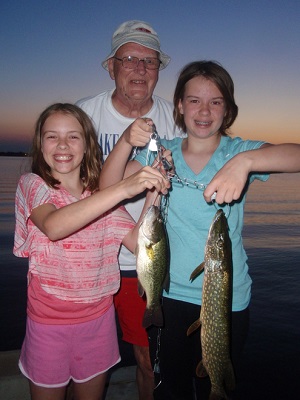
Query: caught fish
216, 309
152, 263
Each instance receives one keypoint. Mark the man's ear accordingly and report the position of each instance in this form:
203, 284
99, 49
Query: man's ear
110, 66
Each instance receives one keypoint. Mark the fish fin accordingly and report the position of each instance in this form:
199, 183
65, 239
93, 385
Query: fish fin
153, 316
166, 284
140, 289
150, 251
201, 370
197, 271
195, 325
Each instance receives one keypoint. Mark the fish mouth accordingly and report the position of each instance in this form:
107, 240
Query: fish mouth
149, 220
152, 212
216, 226
219, 214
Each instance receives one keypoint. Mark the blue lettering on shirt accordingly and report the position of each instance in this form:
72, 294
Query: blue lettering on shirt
107, 142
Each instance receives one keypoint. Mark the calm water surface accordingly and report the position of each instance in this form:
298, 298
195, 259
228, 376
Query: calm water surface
272, 240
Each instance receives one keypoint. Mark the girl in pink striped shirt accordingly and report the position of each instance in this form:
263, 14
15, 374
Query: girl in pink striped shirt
71, 233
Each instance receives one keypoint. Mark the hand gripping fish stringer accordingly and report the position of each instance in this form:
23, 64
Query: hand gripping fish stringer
155, 146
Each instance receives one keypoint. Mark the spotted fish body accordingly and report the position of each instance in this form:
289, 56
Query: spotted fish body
152, 263
216, 309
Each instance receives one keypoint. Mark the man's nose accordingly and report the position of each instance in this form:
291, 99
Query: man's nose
141, 66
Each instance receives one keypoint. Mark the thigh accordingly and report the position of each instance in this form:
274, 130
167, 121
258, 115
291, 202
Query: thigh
177, 353
142, 357
43, 393
91, 390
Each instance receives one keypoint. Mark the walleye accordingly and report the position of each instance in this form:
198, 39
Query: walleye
152, 263
216, 309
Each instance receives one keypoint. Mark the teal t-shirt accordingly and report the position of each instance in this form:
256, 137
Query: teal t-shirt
189, 217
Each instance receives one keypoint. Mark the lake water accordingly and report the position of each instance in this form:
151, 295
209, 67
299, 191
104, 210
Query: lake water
271, 367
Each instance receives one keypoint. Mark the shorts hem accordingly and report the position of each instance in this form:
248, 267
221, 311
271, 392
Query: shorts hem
59, 385
45, 385
98, 373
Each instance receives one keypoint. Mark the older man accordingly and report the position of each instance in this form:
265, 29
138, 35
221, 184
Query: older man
134, 64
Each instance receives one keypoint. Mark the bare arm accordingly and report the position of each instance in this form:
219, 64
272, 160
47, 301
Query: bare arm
229, 182
59, 223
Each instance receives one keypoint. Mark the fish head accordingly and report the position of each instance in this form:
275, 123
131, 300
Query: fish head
152, 224
218, 245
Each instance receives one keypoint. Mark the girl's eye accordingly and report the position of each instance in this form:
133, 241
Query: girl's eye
50, 136
217, 103
75, 136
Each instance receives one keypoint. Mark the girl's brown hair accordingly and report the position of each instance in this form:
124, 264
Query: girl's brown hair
92, 162
219, 76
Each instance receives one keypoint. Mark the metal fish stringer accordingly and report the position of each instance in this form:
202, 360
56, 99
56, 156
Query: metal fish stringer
155, 146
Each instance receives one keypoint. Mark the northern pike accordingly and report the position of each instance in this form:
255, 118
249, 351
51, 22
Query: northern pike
216, 309
152, 263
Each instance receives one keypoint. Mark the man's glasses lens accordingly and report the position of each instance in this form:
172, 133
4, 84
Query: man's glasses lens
133, 62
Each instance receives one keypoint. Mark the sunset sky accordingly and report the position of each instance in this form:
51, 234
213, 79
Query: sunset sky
52, 51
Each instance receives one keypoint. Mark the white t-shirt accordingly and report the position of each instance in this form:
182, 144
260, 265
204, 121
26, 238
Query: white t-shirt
110, 125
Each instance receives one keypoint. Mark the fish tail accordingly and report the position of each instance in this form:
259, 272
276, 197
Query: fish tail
153, 316
219, 393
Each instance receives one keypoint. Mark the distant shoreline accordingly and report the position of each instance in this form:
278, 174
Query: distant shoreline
13, 154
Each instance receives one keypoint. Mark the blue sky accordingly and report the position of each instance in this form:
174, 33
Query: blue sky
52, 51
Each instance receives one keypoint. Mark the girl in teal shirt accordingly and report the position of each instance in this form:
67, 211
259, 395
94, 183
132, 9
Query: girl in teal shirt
204, 158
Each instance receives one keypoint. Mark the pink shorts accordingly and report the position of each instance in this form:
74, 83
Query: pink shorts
52, 355
130, 308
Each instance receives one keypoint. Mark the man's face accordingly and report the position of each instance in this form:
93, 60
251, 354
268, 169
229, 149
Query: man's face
133, 84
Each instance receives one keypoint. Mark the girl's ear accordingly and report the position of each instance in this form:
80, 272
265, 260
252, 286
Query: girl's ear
180, 107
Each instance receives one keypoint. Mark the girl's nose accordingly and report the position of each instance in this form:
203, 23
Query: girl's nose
62, 144
204, 109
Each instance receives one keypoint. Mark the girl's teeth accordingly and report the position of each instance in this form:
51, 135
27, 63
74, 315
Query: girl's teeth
62, 157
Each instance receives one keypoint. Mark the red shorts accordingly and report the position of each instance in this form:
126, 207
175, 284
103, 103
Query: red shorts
130, 308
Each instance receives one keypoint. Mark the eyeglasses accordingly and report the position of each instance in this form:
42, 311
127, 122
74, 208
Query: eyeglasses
130, 62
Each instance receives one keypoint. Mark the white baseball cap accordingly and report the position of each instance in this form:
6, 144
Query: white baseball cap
139, 32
